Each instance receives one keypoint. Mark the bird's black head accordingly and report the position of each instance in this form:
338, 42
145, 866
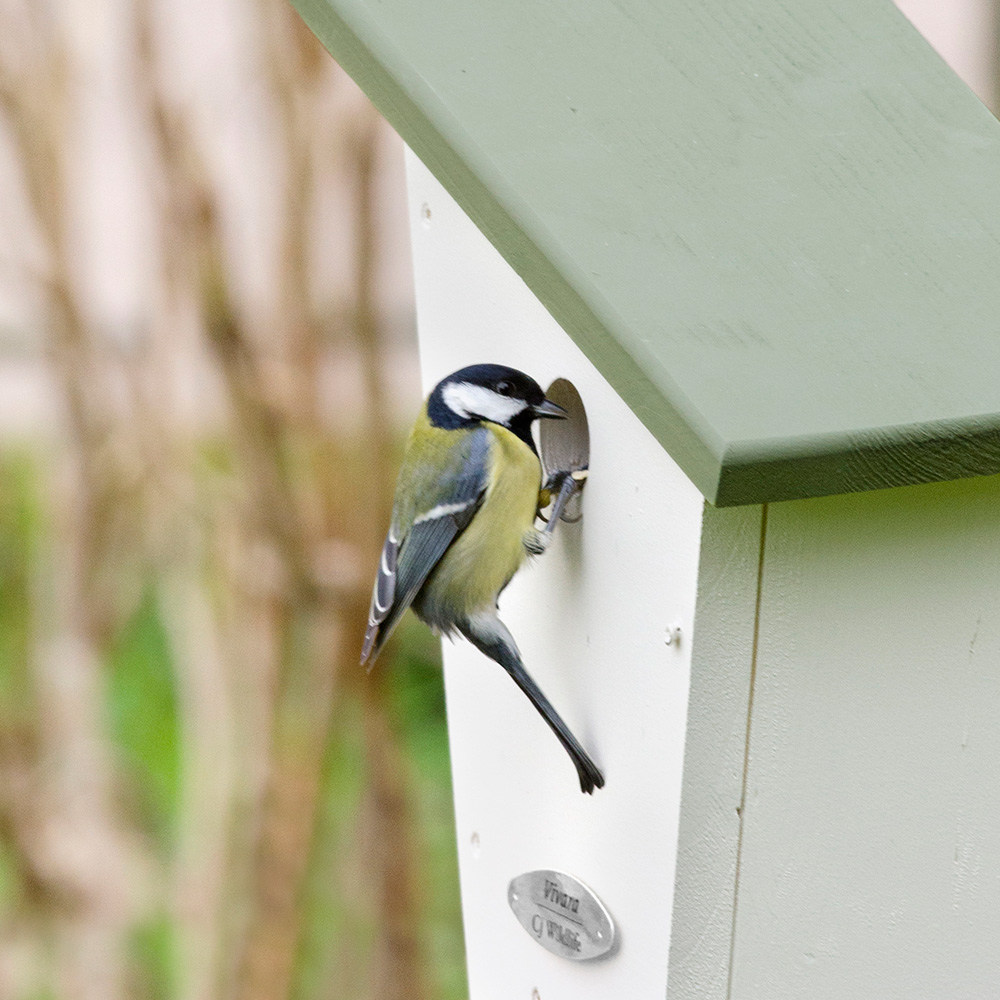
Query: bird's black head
494, 393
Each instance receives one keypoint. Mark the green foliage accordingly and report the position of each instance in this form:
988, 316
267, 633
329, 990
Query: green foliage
143, 721
337, 932
10, 881
142, 716
417, 697
340, 931
20, 523
150, 948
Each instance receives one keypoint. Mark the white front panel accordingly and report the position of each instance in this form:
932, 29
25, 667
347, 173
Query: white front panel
590, 618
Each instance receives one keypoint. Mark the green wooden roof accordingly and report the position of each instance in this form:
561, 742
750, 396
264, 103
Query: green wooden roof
774, 227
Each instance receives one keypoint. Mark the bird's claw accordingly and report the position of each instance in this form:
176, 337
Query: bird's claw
536, 542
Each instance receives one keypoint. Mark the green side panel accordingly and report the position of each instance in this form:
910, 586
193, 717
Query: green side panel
774, 227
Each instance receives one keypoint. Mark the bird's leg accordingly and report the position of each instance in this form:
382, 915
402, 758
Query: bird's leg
560, 488
566, 489
489, 635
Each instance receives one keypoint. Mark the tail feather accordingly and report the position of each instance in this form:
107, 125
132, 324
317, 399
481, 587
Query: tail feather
371, 635
491, 636
377, 635
380, 612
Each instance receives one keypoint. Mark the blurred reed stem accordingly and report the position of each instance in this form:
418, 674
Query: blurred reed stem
258, 572
87, 862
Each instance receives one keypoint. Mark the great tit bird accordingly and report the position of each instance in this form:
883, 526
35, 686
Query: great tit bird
463, 523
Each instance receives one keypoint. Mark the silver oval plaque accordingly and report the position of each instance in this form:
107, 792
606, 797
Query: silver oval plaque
562, 914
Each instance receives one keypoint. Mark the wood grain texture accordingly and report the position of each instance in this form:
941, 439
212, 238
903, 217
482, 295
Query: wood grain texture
774, 227
871, 852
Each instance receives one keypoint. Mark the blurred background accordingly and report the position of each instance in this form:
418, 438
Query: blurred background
207, 365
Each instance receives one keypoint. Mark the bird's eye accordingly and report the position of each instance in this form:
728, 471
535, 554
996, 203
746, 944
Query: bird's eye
505, 388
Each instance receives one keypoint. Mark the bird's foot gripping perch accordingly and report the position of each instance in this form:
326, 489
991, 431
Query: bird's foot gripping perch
562, 488
564, 448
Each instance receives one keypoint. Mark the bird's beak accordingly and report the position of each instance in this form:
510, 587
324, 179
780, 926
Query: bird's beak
546, 408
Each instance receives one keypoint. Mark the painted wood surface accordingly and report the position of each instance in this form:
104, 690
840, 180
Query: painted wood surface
715, 752
870, 858
590, 618
774, 227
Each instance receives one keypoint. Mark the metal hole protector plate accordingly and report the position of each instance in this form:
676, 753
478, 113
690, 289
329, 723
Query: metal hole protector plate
564, 448
562, 914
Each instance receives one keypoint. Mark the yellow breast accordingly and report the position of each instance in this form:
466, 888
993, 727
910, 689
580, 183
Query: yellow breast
489, 552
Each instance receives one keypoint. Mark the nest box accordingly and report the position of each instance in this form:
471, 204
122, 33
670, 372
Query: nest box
763, 242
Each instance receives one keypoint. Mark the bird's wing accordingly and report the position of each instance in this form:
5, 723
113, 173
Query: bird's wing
421, 534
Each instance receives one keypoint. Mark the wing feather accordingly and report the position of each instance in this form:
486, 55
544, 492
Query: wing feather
413, 549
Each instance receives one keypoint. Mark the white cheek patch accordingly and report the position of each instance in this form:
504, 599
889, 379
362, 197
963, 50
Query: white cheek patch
468, 400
